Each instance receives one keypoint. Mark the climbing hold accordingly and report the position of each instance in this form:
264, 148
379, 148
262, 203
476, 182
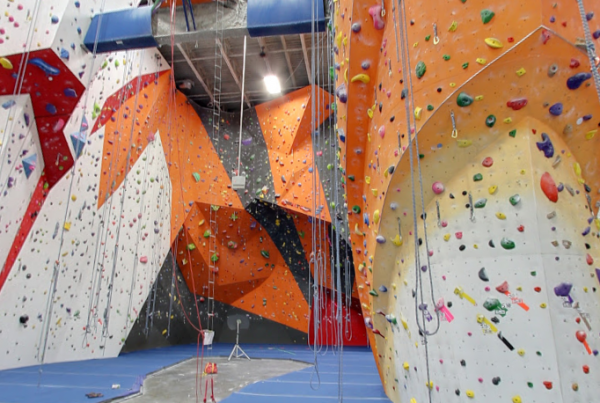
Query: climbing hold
355, 28
45, 67
507, 243
374, 293
265, 254
196, 176
397, 240
575, 81
483, 275
7, 64
480, 203
546, 146
380, 239
470, 394
501, 216
362, 77
481, 60
464, 143
356, 209
490, 121
521, 72
514, 199
464, 99
492, 189
517, 104
493, 43
418, 111
375, 13
420, 69
487, 162
487, 15
477, 177
556, 109
437, 187
549, 187
453, 26
376, 216
342, 93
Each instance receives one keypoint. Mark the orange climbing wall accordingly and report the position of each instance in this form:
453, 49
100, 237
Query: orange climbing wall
374, 120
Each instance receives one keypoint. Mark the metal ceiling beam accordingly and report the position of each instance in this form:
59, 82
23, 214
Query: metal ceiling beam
306, 61
196, 72
234, 23
287, 59
232, 70
263, 45
238, 55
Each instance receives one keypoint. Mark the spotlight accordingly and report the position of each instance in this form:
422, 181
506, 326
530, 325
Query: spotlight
272, 84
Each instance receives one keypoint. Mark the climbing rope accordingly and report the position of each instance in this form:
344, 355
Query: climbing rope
589, 46
419, 293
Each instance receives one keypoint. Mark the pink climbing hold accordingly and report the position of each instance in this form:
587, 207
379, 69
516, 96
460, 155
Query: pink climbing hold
144, 259
589, 259
437, 187
549, 187
487, 162
375, 13
382, 131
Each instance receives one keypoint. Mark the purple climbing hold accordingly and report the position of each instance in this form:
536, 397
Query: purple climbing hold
560, 187
70, 93
564, 290
556, 109
51, 109
596, 34
575, 81
546, 146
26, 118
356, 27
247, 141
598, 274
10, 182
342, 93
380, 239
365, 65
586, 231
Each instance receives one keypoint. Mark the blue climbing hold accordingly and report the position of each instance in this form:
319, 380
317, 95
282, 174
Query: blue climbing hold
78, 140
556, 109
9, 104
575, 81
51, 109
29, 164
46, 68
546, 146
64, 54
70, 93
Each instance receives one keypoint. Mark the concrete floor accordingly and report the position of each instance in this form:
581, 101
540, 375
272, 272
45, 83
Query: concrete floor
177, 383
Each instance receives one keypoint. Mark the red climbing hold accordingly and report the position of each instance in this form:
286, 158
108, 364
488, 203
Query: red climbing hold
548, 385
517, 104
589, 259
487, 162
537, 289
574, 63
521, 228
586, 369
549, 187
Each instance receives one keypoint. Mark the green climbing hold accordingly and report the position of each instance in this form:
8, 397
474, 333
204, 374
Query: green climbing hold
427, 38
356, 209
530, 384
465, 65
351, 177
191, 246
533, 273
429, 107
481, 203
513, 133
487, 15
206, 234
196, 176
420, 69
373, 293
477, 177
507, 243
514, 200
265, 254
490, 121
464, 99
214, 258
446, 57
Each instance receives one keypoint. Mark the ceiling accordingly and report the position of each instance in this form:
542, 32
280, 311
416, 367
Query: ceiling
194, 60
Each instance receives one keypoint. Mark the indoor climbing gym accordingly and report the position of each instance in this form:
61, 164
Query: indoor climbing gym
299, 201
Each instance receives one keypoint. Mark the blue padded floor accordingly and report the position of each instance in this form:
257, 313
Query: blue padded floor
69, 382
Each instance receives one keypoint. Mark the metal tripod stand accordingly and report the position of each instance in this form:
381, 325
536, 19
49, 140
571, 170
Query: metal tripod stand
237, 351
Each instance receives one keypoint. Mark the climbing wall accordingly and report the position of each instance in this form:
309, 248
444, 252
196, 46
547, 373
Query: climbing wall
510, 200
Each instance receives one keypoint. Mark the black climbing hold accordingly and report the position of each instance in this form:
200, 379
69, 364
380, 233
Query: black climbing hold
420, 242
457, 392
491, 243
587, 187
462, 247
464, 193
496, 380
463, 363
451, 196
449, 304
483, 275
24, 319
495, 320
392, 118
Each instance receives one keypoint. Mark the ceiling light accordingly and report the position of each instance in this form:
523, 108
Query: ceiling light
272, 84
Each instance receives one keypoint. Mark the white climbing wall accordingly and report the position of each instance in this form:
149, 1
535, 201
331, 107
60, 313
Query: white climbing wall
102, 280
21, 165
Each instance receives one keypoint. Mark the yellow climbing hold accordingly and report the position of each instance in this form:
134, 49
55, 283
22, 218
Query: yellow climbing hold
464, 143
67, 226
397, 240
493, 43
590, 135
368, 179
4, 62
501, 216
374, 191
521, 71
507, 120
418, 111
479, 98
405, 365
362, 77
430, 384
415, 44
394, 286
517, 399
470, 394
577, 168
446, 237
338, 40
453, 26
346, 75
413, 400
345, 42
521, 352
452, 85
201, 222
357, 230
543, 305
492, 189
370, 113
376, 217
481, 60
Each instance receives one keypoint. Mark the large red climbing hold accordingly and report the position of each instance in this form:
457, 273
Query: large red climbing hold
517, 104
549, 187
